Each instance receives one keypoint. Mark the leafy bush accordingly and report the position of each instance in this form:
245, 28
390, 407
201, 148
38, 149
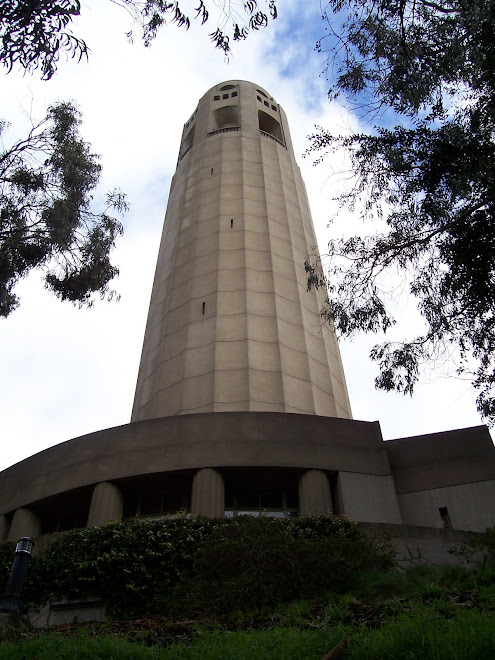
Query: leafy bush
6, 557
126, 564
479, 551
197, 563
254, 562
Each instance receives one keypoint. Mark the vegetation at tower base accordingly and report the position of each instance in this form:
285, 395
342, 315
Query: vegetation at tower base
46, 217
478, 552
33, 35
186, 565
424, 612
431, 179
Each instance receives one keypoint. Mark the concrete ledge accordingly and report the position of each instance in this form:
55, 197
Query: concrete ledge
439, 460
67, 611
216, 440
415, 543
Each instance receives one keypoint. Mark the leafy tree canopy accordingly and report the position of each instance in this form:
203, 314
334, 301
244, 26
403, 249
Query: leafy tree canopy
46, 221
34, 33
431, 178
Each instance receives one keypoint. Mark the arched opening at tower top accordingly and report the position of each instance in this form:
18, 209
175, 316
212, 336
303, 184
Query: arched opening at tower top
270, 125
226, 117
187, 143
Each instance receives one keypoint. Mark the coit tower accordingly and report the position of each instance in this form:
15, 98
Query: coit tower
241, 405
231, 325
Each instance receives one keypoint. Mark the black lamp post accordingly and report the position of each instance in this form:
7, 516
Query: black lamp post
12, 597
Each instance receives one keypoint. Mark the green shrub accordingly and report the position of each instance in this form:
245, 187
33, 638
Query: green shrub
257, 562
199, 563
6, 558
478, 552
126, 564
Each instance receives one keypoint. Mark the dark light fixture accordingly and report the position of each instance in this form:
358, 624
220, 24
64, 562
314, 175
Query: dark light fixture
12, 596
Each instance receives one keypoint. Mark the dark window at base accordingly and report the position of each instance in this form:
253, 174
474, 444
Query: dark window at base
155, 506
63, 524
258, 502
444, 515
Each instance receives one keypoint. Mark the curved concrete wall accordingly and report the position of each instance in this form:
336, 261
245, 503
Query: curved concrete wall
370, 480
214, 440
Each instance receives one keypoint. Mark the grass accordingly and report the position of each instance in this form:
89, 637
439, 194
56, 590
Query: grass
425, 613
423, 635
280, 643
81, 646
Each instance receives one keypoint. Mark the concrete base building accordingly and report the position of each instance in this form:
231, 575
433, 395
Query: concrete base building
241, 405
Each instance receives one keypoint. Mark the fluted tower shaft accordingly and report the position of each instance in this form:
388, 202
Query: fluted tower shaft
231, 325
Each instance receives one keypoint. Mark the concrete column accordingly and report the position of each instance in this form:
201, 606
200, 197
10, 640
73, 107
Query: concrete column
314, 493
24, 523
107, 504
4, 528
208, 494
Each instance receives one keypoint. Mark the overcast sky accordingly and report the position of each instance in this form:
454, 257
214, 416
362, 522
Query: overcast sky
67, 372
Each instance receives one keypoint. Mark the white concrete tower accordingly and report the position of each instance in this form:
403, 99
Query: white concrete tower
235, 338
231, 325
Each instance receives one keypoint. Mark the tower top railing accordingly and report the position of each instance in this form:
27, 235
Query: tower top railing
225, 130
272, 137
